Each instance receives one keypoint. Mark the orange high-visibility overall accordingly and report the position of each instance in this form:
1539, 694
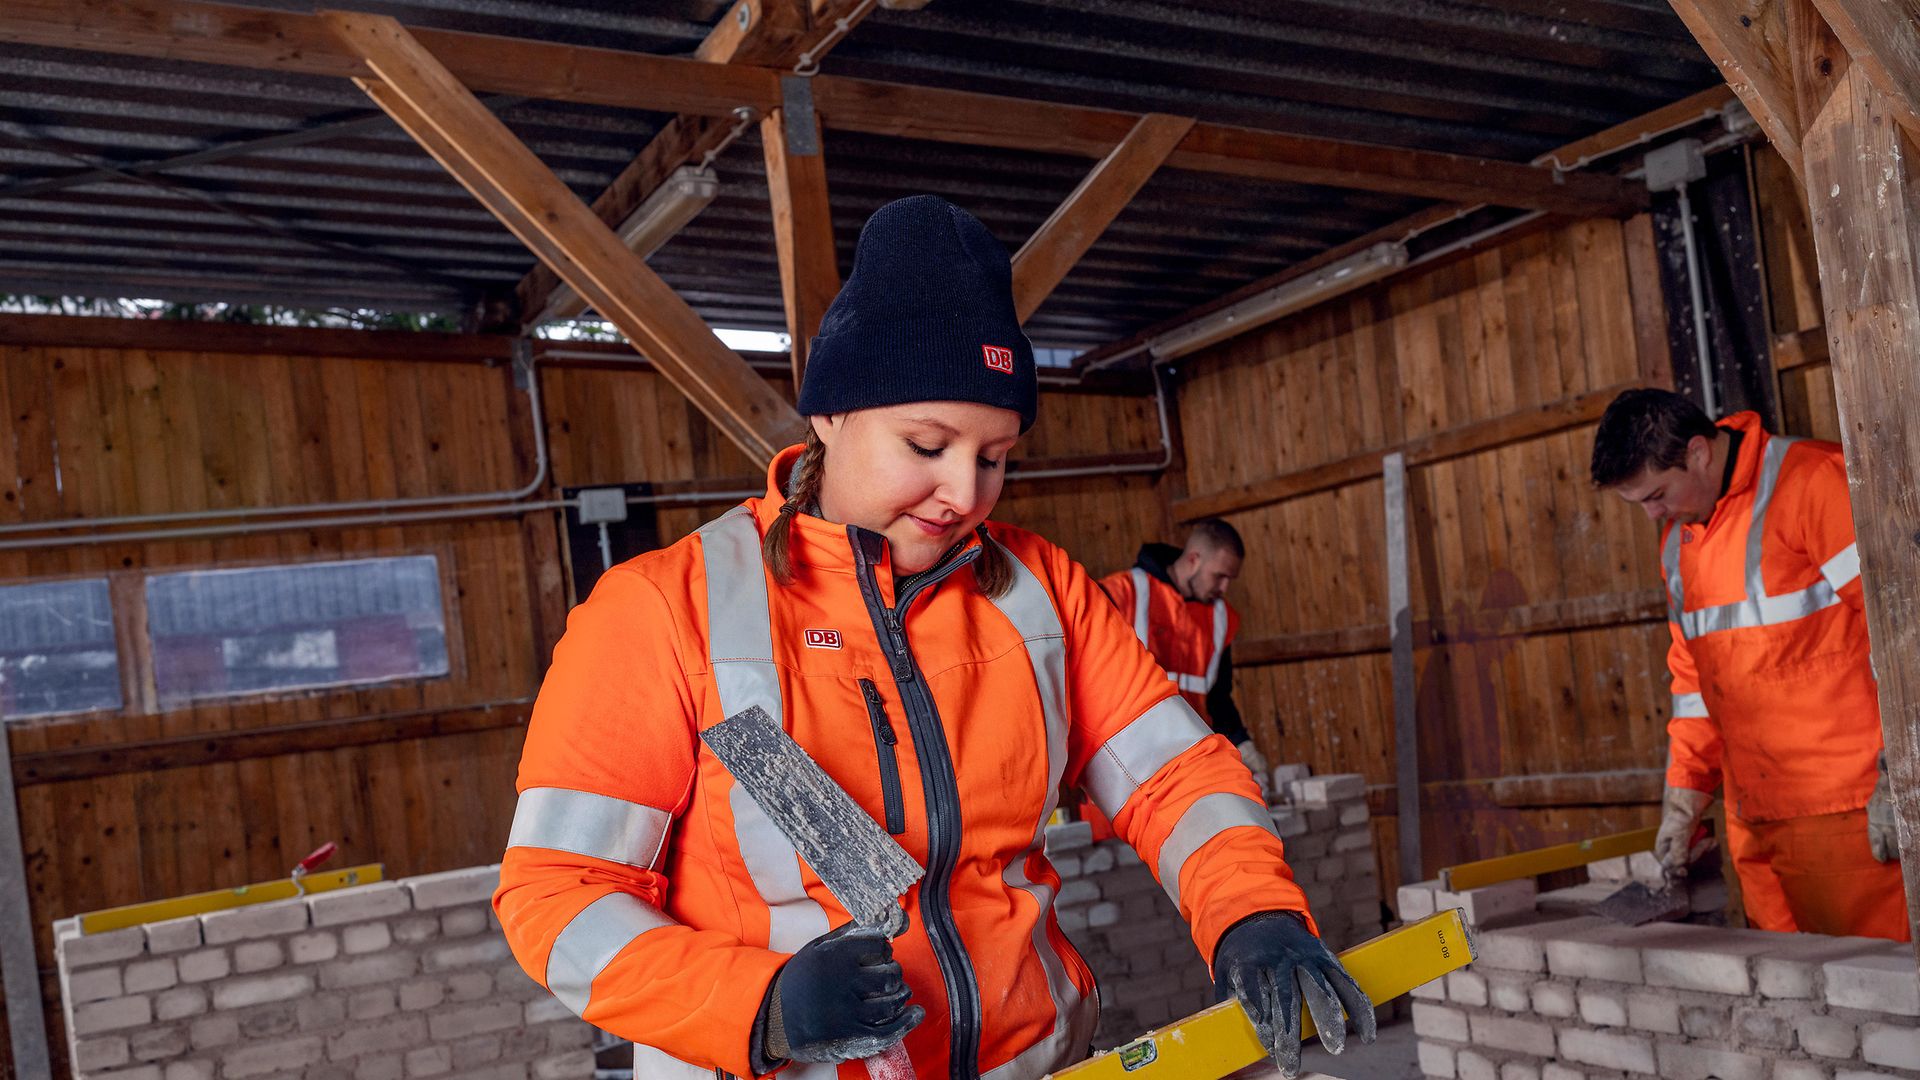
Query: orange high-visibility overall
1773, 689
1187, 638
651, 895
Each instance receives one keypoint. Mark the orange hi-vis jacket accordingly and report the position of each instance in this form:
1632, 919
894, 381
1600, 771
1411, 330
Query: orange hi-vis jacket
1773, 688
1186, 638
651, 895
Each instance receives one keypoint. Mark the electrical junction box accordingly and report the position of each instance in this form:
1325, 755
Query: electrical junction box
602, 505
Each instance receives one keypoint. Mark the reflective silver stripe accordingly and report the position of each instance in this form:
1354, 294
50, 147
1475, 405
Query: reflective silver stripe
740, 646
1689, 705
1842, 569
1219, 644
1135, 752
591, 941
1756, 608
1192, 684
598, 826
655, 1064
1208, 817
1029, 607
1142, 588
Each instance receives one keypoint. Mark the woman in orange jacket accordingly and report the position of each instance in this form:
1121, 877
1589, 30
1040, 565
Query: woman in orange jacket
947, 671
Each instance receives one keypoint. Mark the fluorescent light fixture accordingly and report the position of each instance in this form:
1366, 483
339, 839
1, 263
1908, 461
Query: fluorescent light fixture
678, 200
1360, 268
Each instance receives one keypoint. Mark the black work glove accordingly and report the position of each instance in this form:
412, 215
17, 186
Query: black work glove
840, 998
1261, 960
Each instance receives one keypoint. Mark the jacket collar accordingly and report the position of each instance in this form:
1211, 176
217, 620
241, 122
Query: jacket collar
1753, 437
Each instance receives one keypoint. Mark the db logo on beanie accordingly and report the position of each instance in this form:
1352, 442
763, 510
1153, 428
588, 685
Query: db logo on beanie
998, 359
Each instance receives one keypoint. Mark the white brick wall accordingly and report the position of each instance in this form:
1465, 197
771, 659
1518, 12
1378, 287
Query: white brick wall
1141, 952
392, 981
1558, 997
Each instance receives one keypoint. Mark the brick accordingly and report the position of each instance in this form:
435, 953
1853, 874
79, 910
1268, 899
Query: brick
1519, 1070
1653, 1012
1791, 969
511, 1071
367, 970
156, 1043
1436, 1060
1711, 959
1622, 1053
113, 1014
105, 1052
1612, 871
509, 980
1282, 775
1862, 1074
148, 976
372, 1003
1509, 993
567, 1066
1602, 1008
1074, 834
469, 985
1104, 913
253, 921
1098, 860
260, 1059
1354, 813
434, 1060
422, 994
138, 1072
1320, 790
459, 1023
173, 935
1473, 1065
313, 948
1439, 1022
209, 1032
542, 1010
1553, 999
1491, 904
179, 1003
1466, 988
320, 1011
1604, 952
400, 1033
415, 929
94, 984
463, 922
254, 956
261, 989
366, 938
1553, 1070
1885, 1044
1800, 1070
1416, 901
88, 950
1828, 1036
471, 886
379, 1067
204, 966
1883, 982
1078, 891
1523, 948
492, 950
1352, 840
1762, 1028
1681, 1061
269, 1021
1701, 1021
1520, 1035
380, 900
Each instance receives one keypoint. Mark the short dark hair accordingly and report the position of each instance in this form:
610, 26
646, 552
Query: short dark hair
1218, 536
1645, 429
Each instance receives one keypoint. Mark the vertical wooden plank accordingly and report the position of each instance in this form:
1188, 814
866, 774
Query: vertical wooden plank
1406, 735
19, 961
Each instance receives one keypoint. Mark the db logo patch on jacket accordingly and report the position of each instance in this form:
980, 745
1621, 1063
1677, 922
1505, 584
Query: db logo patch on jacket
998, 359
823, 639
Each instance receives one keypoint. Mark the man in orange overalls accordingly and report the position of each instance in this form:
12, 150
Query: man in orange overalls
1773, 688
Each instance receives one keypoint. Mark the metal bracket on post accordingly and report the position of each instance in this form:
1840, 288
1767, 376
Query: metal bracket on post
796, 116
1406, 732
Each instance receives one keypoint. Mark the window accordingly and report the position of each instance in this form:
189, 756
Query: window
57, 651
224, 633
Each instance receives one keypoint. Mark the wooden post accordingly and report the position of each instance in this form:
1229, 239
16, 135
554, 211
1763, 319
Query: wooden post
1863, 199
1406, 732
19, 965
802, 217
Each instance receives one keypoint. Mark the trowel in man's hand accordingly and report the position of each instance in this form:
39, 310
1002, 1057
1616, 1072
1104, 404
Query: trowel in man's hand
1636, 903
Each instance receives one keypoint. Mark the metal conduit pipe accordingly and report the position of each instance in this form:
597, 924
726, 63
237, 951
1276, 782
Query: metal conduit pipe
507, 498
200, 532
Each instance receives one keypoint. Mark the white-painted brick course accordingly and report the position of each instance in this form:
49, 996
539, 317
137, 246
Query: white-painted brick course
204, 965
94, 984
366, 938
1829, 1036
380, 900
400, 1033
1436, 1060
108, 948
1653, 1011
1601, 951
261, 1059
1518, 1034
315, 947
454, 887
1885, 1044
1791, 966
174, 935
1554, 999
1681, 1061
179, 1003
113, 1014
1707, 958
463, 922
1439, 1022
1879, 982
261, 989
1601, 1007
1608, 1050
1466, 988
1491, 904
256, 921
255, 956
105, 1052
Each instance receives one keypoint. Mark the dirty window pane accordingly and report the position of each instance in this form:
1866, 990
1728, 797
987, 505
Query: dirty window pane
222, 633
56, 649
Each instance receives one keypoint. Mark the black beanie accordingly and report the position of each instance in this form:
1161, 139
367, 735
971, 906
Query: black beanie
927, 315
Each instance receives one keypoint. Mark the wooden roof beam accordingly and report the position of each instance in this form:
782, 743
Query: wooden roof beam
1748, 39
286, 41
802, 218
430, 103
1883, 38
1044, 260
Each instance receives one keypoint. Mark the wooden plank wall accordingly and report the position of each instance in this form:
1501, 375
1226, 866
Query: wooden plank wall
147, 804
1807, 405
1509, 544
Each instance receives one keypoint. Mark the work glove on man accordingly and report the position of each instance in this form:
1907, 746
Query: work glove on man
1882, 834
1680, 812
1271, 961
841, 997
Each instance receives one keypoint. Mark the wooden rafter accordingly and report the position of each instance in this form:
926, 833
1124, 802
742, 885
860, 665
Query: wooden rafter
1059, 243
802, 224
286, 41
1748, 40
432, 105
1883, 39
766, 33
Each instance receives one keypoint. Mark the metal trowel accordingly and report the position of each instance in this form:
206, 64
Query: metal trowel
865, 869
1636, 903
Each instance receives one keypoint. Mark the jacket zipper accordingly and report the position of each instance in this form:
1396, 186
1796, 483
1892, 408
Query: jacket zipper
885, 740
942, 793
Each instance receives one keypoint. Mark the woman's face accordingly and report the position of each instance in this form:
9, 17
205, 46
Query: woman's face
922, 475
